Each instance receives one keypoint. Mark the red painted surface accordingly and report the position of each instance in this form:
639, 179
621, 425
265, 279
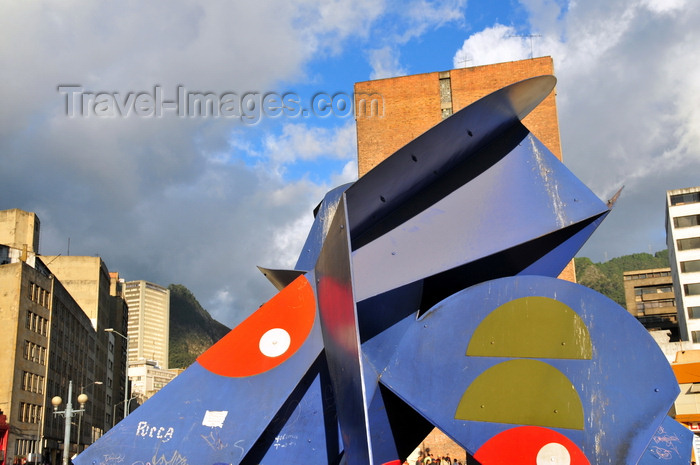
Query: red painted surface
520, 446
238, 353
4, 433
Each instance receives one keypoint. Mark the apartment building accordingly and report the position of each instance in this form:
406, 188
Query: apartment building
683, 241
650, 298
50, 341
149, 322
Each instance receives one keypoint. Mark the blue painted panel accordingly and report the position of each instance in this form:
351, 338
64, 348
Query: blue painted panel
524, 196
671, 444
307, 433
623, 404
203, 417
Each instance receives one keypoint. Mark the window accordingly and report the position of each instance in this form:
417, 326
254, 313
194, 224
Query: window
638, 291
24, 446
691, 266
687, 244
696, 336
34, 352
37, 323
29, 413
32, 382
693, 312
38, 294
686, 221
692, 289
656, 304
682, 199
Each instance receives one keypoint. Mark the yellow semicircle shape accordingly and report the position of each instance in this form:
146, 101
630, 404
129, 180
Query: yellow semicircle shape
532, 327
522, 392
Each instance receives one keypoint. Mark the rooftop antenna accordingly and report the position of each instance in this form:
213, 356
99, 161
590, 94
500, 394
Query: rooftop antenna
463, 62
527, 36
54, 258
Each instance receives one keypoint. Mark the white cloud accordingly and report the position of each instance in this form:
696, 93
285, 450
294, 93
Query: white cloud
629, 103
303, 142
496, 44
665, 6
410, 21
385, 63
423, 15
168, 199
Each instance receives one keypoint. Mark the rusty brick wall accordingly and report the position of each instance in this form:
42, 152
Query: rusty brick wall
410, 105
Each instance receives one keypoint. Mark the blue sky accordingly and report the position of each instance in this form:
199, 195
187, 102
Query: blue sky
202, 201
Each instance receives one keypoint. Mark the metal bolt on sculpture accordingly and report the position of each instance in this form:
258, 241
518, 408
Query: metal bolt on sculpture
440, 263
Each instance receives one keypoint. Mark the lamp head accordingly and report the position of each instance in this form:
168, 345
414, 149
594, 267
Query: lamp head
82, 399
56, 401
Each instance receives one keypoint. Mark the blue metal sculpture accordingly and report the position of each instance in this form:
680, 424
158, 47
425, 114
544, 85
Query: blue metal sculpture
439, 264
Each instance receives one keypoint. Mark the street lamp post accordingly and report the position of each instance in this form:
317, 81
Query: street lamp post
68, 415
80, 418
126, 406
126, 367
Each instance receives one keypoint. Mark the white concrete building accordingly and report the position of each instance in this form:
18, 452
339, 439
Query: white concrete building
683, 240
149, 322
147, 378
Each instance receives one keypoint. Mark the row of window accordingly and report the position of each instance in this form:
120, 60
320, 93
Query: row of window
658, 274
681, 199
656, 304
32, 382
38, 294
37, 323
638, 291
29, 413
686, 221
34, 352
24, 447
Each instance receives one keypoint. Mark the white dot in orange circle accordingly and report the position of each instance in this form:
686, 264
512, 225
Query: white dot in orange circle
553, 454
274, 342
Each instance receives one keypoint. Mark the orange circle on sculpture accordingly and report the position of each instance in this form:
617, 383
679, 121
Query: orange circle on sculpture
530, 445
268, 337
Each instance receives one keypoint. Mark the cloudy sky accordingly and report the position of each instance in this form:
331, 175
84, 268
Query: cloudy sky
202, 200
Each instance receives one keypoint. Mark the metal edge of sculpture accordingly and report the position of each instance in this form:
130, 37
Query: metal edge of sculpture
426, 295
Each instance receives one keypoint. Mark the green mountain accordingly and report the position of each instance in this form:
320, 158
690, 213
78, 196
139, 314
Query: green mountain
606, 277
192, 329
